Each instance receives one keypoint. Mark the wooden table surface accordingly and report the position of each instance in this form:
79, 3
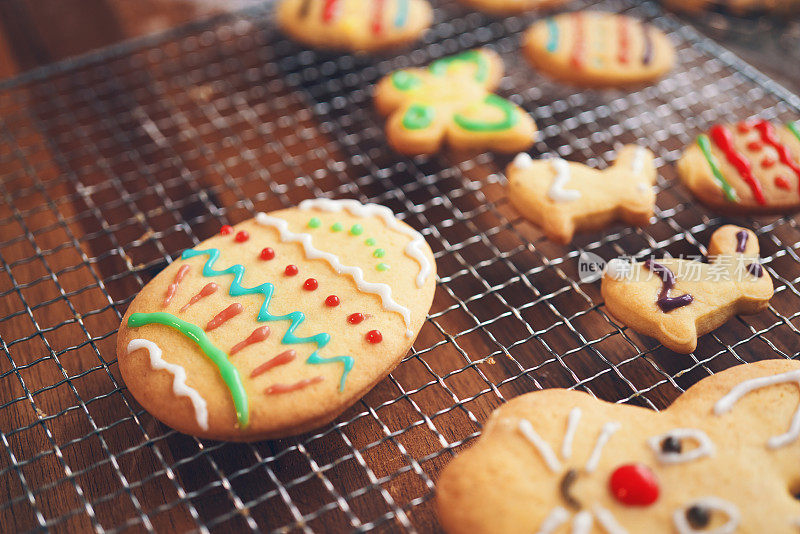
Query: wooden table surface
108, 169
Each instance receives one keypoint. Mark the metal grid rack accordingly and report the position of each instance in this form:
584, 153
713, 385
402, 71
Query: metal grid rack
112, 164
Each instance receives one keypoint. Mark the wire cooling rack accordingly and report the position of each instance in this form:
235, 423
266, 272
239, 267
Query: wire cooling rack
112, 164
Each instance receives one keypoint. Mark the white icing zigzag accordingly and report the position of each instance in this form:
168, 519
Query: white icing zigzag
179, 387
413, 249
382, 290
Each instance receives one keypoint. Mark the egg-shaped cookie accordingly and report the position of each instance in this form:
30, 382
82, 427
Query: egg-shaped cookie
748, 167
596, 49
354, 25
276, 325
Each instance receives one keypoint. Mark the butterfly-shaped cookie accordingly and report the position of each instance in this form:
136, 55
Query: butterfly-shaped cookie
452, 100
563, 197
721, 459
677, 300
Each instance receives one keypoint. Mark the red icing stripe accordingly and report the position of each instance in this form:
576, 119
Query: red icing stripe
276, 389
377, 17
225, 315
578, 48
281, 359
208, 289
328, 10
783, 183
624, 40
723, 138
173, 287
259, 334
768, 135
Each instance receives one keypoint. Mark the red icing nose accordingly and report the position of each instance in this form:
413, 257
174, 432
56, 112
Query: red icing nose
634, 485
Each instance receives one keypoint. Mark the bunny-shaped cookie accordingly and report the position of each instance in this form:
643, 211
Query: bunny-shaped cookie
676, 300
722, 459
563, 197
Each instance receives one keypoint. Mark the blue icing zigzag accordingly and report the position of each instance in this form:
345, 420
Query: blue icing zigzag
267, 290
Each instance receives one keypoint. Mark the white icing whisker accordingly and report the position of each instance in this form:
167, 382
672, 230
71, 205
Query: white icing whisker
569, 435
557, 191
602, 439
414, 249
557, 517
526, 428
607, 520
375, 288
179, 387
582, 523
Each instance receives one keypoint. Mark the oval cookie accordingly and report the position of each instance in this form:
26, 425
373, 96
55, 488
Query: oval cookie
598, 49
276, 325
354, 25
506, 7
749, 167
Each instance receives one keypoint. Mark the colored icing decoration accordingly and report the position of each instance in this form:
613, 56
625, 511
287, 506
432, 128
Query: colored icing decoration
304, 8
402, 13
259, 334
229, 373
634, 485
557, 192
569, 435
782, 183
241, 237
418, 116
276, 389
743, 127
440, 66
379, 253
377, 16
624, 39
314, 222
681, 521
373, 336
337, 227
267, 290
226, 229
767, 162
526, 429
552, 35
647, 53
179, 387
705, 147
726, 403
173, 287
566, 486
355, 318
329, 10
267, 254
741, 240
605, 434
224, 316
755, 269
523, 161
405, 81
290, 270
281, 359
668, 447
768, 135
509, 119
794, 127
382, 267
665, 302
369, 242
208, 289
723, 138
310, 284
755, 146
413, 249
578, 48
356, 229
332, 301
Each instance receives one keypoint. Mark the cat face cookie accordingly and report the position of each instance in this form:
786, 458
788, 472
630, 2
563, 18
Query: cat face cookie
677, 300
507, 7
721, 459
595, 49
354, 25
749, 167
278, 324
452, 100
562, 197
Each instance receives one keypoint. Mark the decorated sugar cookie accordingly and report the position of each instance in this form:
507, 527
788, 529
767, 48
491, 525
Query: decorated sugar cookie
563, 197
452, 100
354, 25
596, 49
721, 459
677, 300
749, 167
736, 7
275, 326
506, 7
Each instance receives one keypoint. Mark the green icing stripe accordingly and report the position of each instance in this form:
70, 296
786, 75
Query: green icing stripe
705, 146
794, 128
405, 81
227, 371
418, 117
510, 117
440, 66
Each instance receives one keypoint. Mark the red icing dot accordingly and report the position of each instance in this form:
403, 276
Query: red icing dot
355, 318
290, 270
332, 301
226, 229
267, 254
754, 146
767, 163
634, 485
241, 236
743, 127
310, 284
783, 183
373, 336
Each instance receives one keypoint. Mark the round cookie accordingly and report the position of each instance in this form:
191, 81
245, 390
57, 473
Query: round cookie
275, 326
453, 101
596, 49
749, 167
354, 25
507, 7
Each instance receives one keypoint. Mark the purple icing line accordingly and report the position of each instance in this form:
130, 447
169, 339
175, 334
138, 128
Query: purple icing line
741, 240
647, 55
755, 269
665, 302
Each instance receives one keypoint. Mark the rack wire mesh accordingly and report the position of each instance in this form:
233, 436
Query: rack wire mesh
112, 164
